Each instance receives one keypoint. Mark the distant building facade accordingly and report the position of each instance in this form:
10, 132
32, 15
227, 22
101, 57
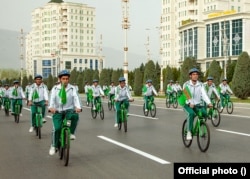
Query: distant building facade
62, 37
204, 29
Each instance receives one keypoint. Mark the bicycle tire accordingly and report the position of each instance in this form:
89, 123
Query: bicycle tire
167, 103
66, 147
219, 106
187, 143
120, 121
101, 112
215, 117
230, 107
110, 105
145, 112
203, 137
125, 121
175, 103
93, 112
153, 110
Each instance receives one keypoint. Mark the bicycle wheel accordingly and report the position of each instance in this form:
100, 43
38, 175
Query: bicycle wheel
153, 110
230, 107
125, 121
120, 121
93, 112
101, 112
167, 103
39, 122
145, 112
66, 147
187, 143
175, 103
215, 117
219, 106
110, 105
203, 136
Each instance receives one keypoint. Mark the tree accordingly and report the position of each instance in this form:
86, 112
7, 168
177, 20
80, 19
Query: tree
96, 75
80, 83
215, 72
168, 77
73, 76
241, 77
188, 63
115, 76
50, 82
138, 82
149, 72
104, 77
230, 69
158, 76
24, 82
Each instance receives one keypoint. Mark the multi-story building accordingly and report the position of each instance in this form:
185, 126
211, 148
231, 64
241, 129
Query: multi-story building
204, 29
62, 37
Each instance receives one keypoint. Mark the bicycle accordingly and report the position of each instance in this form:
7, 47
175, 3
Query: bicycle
151, 107
226, 103
99, 109
172, 99
6, 106
17, 110
200, 129
111, 103
123, 116
214, 114
39, 122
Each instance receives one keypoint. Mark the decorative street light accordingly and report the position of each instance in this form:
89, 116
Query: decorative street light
21, 54
125, 26
160, 55
225, 49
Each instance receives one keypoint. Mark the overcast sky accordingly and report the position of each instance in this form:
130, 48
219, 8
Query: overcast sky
143, 14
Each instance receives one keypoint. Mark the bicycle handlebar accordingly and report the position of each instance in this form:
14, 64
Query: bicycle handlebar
64, 111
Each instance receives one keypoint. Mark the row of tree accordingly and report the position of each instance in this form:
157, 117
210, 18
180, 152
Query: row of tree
238, 75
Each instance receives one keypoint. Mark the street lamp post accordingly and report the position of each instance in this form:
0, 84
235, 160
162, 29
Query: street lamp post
125, 26
160, 55
21, 54
224, 40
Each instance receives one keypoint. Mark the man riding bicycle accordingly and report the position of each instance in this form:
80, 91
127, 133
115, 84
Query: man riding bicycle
210, 88
122, 94
64, 97
38, 95
149, 93
17, 95
87, 87
224, 89
170, 89
6, 93
112, 90
195, 94
97, 93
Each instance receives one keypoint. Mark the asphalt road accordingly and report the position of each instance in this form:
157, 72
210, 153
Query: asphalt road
147, 151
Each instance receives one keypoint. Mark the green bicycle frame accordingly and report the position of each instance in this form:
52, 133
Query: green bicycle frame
198, 122
39, 116
123, 110
17, 109
65, 127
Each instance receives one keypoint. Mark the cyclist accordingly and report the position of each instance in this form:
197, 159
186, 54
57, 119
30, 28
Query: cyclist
97, 93
5, 93
27, 91
112, 90
87, 87
224, 88
170, 89
149, 94
210, 88
105, 89
178, 87
122, 93
64, 97
195, 94
38, 96
17, 95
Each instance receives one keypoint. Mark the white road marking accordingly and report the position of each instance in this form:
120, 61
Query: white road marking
161, 161
233, 132
143, 116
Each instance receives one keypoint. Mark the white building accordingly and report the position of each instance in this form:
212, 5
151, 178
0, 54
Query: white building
62, 37
204, 29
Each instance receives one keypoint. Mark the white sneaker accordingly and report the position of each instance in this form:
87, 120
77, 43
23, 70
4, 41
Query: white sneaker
31, 129
20, 114
52, 150
115, 125
94, 108
72, 137
146, 110
44, 120
221, 108
189, 135
2, 107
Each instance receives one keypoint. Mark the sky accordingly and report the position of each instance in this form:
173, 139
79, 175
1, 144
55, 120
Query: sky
144, 17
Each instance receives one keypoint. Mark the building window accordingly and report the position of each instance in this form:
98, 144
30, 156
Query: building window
96, 64
35, 67
215, 39
54, 62
208, 41
68, 65
195, 46
46, 62
75, 60
80, 69
80, 60
86, 61
46, 72
236, 37
91, 64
